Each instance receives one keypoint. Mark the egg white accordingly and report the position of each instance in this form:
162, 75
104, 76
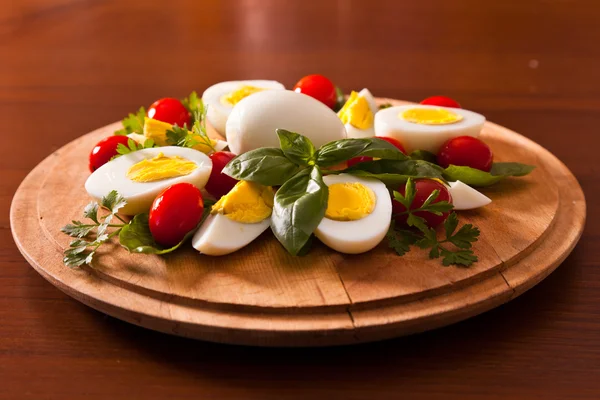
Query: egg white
464, 197
218, 112
220, 235
426, 137
354, 237
253, 121
140, 195
357, 133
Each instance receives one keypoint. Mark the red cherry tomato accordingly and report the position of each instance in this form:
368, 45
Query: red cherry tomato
441, 101
175, 212
356, 160
466, 151
220, 184
360, 159
104, 150
393, 141
171, 111
423, 188
319, 87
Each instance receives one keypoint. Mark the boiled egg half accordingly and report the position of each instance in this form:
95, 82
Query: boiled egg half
235, 220
358, 214
464, 197
140, 176
222, 97
358, 113
422, 127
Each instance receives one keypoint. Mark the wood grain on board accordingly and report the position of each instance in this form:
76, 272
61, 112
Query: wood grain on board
261, 295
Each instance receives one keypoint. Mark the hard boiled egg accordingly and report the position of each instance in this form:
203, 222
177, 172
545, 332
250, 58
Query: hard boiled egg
358, 214
253, 121
222, 97
464, 197
140, 176
358, 114
421, 127
235, 220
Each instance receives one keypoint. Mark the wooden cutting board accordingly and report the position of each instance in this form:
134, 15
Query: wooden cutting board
262, 296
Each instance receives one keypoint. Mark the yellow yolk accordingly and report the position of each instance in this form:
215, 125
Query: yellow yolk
247, 202
349, 201
357, 112
157, 131
159, 168
237, 95
430, 116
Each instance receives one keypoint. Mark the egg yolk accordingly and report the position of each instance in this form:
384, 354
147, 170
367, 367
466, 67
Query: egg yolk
237, 95
157, 131
247, 202
349, 201
430, 116
357, 112
159, 168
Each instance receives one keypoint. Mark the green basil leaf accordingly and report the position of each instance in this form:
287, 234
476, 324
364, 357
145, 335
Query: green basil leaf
395, 172
511, 169
335, 152
476, 177
137, 238
268, 166
299, 149
423, 155
298, 208
340, 99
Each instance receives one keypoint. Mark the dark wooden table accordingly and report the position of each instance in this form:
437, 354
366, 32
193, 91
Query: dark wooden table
69, 66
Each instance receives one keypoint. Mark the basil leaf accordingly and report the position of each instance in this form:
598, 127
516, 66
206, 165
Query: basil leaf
298, 208
423, 155
340, 99
511, 169
299, 149
137, 238
267, 166
335, 152
476, 177
395, 172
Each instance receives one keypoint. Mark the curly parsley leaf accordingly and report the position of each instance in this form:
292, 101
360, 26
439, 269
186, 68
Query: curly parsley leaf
133, 146
82, 251
401, 239
427, 238
133, 123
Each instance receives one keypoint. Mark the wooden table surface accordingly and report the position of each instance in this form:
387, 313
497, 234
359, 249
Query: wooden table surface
70, 66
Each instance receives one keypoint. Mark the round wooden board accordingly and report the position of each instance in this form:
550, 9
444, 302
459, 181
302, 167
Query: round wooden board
262, 296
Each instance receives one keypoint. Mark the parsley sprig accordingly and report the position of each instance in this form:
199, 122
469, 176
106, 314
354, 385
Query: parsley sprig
425, 237
82, 251
181, 136
133, 146
133, 123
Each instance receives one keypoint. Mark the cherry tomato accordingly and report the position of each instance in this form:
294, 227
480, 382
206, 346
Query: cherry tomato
319, 87
175, 212
360, 159
441, 101
356, 160
220, 184
104, 150
393, 141
466, 151
423, 188
171, 111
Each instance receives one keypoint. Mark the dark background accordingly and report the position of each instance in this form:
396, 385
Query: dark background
68, 67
